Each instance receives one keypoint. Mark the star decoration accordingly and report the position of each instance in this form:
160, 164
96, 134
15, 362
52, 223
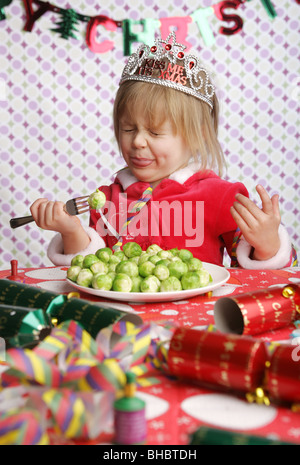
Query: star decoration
229, 346
171, 48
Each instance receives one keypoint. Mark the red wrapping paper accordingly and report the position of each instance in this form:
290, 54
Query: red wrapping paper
283, 375
229, 361
259, 311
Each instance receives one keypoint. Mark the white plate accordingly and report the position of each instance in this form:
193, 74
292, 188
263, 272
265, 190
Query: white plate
219, 275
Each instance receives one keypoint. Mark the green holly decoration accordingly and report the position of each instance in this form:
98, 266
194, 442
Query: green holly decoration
66, 27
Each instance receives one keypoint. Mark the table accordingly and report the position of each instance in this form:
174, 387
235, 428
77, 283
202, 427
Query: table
175, 409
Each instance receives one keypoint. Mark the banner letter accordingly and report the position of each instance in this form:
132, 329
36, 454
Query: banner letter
146, 35
181, 29
91, 33
200, 17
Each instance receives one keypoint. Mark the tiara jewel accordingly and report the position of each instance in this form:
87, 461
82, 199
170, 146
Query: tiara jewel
165, 63
171, 50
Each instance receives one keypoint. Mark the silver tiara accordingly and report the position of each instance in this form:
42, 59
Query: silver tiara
165, 63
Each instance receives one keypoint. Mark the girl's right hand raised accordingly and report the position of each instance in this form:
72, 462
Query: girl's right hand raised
53, 216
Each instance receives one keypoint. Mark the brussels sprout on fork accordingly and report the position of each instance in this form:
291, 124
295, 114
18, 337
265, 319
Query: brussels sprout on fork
75, 206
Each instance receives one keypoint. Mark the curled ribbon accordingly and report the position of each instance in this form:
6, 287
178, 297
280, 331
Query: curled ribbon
72, 376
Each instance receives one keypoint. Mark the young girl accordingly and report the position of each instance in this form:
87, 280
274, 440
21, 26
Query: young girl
166, 121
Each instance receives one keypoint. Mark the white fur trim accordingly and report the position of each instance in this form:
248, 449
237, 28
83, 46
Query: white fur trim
56, 249
280, 260
185, 173
126, 178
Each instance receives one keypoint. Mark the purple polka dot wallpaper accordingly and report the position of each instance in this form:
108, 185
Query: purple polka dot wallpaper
56, 97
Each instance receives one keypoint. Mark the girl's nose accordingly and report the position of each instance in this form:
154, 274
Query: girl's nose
139, 139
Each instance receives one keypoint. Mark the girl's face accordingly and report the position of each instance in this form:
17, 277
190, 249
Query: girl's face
151, 153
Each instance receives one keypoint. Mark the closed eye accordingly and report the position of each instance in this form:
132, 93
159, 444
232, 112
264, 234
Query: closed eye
127, 129
154, 133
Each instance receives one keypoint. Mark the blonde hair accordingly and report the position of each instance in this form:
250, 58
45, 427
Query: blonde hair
190, 117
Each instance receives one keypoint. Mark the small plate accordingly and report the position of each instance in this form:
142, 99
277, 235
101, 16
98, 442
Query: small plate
219, 276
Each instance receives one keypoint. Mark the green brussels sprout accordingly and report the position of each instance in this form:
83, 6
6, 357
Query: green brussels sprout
161, 272
99, 267
170, 284
104, 254
112, 266
150, 284
73, 272
153, 249
97, 200
165, 254
205, 277
194, 264
136, 283
185, 254
191, 280
143, 257
85, 277
102, 281
122, 283
134, 259
127, 267
113, 262
112, 274
154, 259
132, 249
89, 260
163, 261
178, 268
146, 268
120, 254
174, 251
77, 260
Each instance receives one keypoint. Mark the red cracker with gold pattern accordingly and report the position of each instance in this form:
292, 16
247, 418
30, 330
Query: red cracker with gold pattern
283, 374
227, 361
259, 311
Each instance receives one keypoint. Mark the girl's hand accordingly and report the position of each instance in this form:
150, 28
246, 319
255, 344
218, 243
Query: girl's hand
52, 216
259, 226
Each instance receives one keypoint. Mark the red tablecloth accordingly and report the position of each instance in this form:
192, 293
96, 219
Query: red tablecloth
175, 410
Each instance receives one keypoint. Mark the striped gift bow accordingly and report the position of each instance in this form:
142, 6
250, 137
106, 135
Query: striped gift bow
68, 366
146, 196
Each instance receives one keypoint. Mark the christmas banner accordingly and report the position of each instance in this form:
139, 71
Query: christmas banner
141, 30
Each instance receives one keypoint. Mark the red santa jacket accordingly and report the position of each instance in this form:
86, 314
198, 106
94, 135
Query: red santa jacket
194, 214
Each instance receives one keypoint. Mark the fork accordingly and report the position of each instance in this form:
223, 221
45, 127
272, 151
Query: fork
75, 206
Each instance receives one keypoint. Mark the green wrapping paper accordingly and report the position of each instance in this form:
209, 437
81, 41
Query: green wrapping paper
60, 308
23, 327
217, 437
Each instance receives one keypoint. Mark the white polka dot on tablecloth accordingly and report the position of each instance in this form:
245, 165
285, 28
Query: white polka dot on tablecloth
61, 287
226, 411
155, 406
47, 273
169, 312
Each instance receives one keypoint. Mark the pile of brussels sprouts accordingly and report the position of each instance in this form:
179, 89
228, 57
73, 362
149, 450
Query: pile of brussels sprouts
134, 270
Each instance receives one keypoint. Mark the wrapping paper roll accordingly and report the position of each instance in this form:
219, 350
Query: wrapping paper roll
23, 295
14, 319
258, 312
23, 327
92, 317
283, 375
226, 361
218, 437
